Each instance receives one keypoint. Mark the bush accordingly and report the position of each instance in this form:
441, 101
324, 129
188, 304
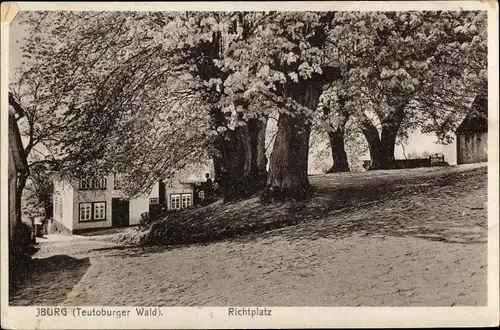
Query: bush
207, 201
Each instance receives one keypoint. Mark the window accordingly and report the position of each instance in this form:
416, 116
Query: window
100, 183
99, 211
85, 211
201, 194
85, 184
93, 211
154, 201
175, 202
186, 200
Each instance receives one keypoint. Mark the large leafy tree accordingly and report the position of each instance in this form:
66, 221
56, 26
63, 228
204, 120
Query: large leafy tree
334, 118
28, 95
414, 57
450, 93
284, 65
239, 123
143, 94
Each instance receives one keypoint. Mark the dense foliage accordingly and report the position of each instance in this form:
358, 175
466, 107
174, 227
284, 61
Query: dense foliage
149, 93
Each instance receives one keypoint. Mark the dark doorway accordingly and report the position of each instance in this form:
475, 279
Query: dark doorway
161, 192
120, 212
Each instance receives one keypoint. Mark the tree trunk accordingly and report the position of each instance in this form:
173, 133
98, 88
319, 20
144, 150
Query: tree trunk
261, 150
339, 155
382, 147
287, 176
242, 160
387, 146
253, 135
372, 138
404, 150
336, 137
21, 184
217, 166
234, 159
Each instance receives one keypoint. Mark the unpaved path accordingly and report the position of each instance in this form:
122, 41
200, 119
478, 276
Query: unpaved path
355, 271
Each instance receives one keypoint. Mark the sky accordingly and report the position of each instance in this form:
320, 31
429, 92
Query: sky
16, 35
417, 143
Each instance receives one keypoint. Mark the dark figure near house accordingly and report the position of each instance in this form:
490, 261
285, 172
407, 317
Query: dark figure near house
208, 186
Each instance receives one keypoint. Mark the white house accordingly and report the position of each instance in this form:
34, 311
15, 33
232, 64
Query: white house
85, 205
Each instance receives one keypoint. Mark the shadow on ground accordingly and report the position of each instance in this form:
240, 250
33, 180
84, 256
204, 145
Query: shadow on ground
103, 232
443, 204
131, 250
450, 208
41, 282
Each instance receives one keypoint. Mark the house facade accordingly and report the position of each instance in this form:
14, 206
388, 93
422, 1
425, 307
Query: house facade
472, 134
17, 164
179, 195
85, 205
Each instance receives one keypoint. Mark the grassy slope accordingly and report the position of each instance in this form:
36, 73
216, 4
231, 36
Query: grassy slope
335, 194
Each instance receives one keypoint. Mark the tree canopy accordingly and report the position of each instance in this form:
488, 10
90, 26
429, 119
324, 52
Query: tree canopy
148, 93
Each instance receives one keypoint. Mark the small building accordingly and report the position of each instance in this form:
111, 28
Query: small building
17, 164
86, 205
472, 134
179, 195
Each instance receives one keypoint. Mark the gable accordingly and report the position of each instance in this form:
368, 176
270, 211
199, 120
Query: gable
477, 119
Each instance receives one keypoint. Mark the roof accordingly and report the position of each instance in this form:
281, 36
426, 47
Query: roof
477, 119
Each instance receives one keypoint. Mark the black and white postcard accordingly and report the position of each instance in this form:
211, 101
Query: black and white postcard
249, 164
